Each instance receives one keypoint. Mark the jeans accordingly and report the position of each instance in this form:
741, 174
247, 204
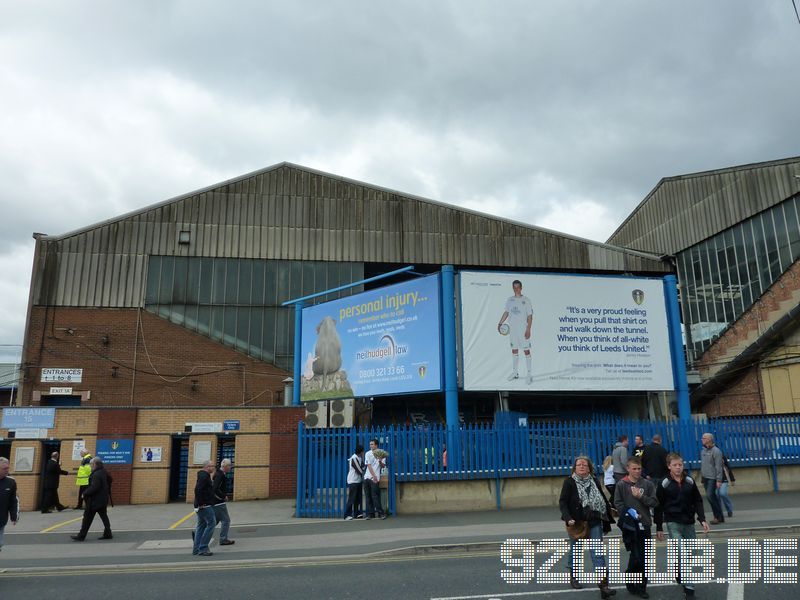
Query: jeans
713, 498
221, 515
353, 508
204, 530
681, 531
636, 561
598, 560
373, 490
2, 530
724, 498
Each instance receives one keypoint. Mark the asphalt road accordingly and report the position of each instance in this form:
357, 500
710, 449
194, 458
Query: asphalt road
449, 576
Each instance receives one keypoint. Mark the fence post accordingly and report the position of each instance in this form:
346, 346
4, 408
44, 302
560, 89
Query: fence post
298, 359
301, 501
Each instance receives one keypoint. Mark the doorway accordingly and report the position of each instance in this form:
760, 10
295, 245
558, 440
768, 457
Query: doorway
178, 468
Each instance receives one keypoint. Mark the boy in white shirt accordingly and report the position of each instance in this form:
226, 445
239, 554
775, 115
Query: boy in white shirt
355, 475
372, 478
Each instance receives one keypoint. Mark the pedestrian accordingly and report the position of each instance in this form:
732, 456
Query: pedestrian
52, 478
712, 474
620, 457
372, 479
587, 515
608, 476
220, 486
82, 478
727, 478
638, 446
96, 497
204, 507
654, 461
9, 502
679, 502
355, 478
634, 496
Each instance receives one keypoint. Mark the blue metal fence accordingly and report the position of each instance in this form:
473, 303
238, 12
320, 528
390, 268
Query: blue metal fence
507, 450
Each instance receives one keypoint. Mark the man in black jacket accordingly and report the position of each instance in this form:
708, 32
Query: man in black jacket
220, 486
204, 506
9, 503
654, 461
52, 477
679, 501
96, 495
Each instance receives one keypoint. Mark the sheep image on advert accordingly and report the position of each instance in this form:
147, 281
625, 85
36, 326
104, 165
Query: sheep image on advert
322, 375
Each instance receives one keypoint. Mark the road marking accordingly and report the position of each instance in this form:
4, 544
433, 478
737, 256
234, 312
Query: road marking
183, 520
57, 525
536, 593
215, 565
735, 591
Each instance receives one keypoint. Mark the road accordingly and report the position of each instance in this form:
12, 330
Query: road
450, 576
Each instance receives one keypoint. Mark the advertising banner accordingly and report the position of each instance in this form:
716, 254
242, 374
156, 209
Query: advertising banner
384, 341
543, 332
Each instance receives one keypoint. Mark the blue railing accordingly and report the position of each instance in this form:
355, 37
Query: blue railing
508, 450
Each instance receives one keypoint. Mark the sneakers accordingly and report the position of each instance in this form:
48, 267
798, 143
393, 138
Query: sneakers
106, 536
361, 516
382, 517
206, 553
227, 542
348, 518
513, 376
730, 513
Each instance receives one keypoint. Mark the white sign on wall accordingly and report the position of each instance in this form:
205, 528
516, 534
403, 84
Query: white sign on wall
60, 391
205, 427
62, 375
78, 446
543, 332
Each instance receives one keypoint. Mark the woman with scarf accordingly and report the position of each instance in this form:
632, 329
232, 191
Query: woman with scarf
587, 515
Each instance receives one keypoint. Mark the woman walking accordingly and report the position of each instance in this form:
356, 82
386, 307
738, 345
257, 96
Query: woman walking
587, 515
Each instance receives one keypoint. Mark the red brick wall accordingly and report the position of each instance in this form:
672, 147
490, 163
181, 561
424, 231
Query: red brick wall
155, 366
283, 451
115, 424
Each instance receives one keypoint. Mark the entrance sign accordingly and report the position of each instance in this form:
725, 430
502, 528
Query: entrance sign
384, 341
553, 332
62, 375
27, 418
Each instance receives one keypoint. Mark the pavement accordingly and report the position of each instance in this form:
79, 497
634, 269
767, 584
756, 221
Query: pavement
267, 531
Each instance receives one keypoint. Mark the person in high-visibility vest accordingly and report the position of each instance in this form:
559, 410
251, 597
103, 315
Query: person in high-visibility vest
82, 479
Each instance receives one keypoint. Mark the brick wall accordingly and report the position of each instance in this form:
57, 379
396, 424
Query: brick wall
118, 424
157, 362
283, 451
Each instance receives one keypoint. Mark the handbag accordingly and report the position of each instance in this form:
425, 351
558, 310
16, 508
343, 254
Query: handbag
578, 530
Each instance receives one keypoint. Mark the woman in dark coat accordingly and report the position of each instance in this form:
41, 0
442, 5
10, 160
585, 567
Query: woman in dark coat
587, 515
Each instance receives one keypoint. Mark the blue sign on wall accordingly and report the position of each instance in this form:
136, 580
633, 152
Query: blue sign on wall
385, 341
230, 425
24, 418
115, 452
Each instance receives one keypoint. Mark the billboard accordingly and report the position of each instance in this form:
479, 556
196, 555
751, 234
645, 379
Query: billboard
543, 332
384, 341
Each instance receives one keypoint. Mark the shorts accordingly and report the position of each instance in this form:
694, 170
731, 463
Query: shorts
517, 340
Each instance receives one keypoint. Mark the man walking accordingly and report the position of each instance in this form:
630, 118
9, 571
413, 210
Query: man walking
372, 479
519, 313
654, 461
52, 478
712, 474
82, 478
679, 501
638, 446
96, 496
9, 503
204, 507
220, 486
634, 496
619, 457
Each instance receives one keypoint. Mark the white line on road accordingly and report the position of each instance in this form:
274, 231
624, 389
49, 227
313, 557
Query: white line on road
536, 593
735, 591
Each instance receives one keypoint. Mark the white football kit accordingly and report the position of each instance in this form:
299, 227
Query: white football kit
518, 309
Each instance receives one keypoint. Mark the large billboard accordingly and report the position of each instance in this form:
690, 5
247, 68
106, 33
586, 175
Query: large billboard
543, 332
384, 341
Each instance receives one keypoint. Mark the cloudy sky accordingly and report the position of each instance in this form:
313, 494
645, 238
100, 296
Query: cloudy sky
559, 113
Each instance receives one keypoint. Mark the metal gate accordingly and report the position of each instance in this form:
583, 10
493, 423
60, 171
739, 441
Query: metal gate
226, 448
179, 467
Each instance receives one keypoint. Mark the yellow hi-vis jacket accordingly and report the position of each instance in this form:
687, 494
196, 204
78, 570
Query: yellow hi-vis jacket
84, 471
